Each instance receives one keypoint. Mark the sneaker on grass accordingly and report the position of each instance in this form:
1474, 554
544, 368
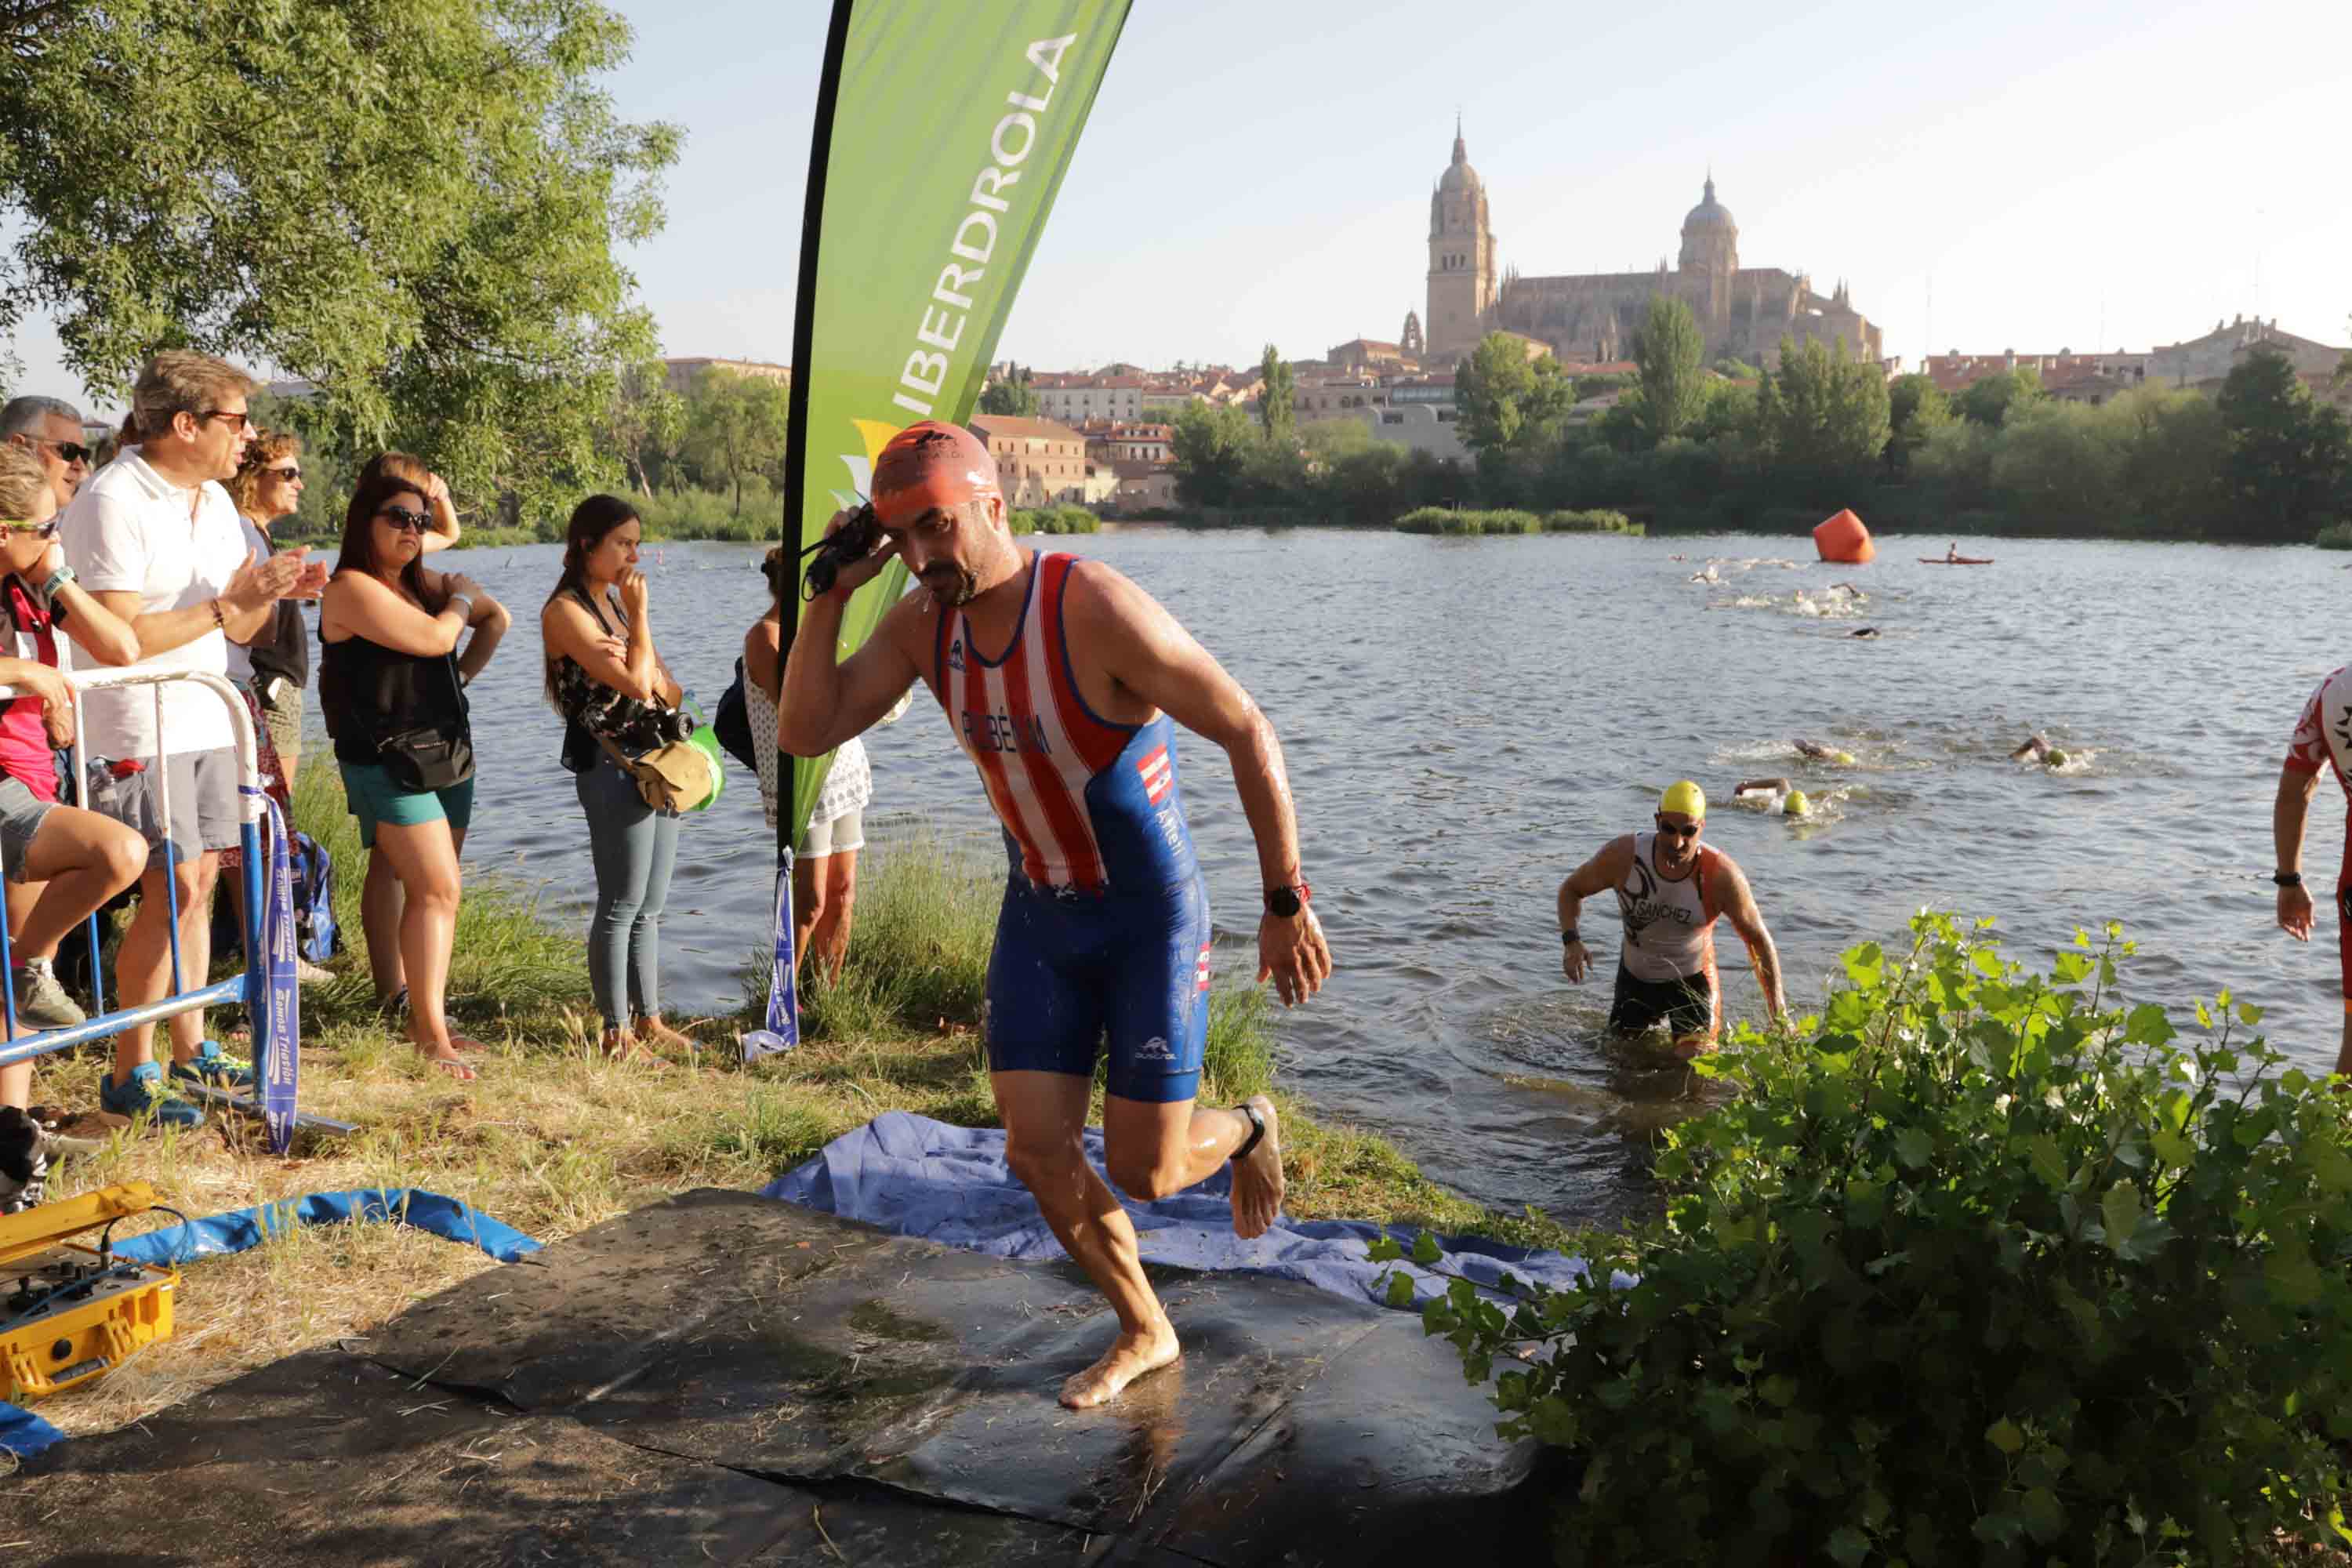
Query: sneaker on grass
78, 1132
24, 1161
145, 1095
215, 1068
309, 974
41, 1001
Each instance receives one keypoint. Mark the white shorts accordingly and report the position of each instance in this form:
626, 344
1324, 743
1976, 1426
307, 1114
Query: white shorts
837, 836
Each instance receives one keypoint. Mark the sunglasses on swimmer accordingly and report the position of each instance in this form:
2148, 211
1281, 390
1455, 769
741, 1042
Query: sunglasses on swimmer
1686, 830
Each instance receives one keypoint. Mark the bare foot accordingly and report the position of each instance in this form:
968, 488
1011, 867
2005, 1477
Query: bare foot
1129, 1358
621, 1047
661, 1036
465, 1043
449, 1062
1258, 1181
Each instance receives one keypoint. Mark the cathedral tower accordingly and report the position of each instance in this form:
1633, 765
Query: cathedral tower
1711, 249
1461, 258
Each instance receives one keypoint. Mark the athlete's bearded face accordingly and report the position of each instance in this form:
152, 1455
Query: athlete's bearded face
942, 549
1678, 838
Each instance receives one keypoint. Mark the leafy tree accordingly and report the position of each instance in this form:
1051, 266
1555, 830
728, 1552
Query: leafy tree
2175, 450
1727, 410
1825, 414
646, 423
1991, 400
1012, 395
736, 426
2288, 452
1275, 397
413, 205
2062, 464
1669, 350
1736, 370
1505, 401
1213, 443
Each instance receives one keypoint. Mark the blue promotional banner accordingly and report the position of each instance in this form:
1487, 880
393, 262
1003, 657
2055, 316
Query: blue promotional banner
782, 1030
277, 1022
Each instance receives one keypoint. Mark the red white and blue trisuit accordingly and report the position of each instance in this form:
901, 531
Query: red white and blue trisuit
1105, 928
2322, 740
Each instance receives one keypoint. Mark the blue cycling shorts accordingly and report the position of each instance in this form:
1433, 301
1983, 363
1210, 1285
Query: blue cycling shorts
1070, 971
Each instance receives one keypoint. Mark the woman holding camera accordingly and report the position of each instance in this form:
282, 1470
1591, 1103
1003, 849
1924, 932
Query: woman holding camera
616, 697
391, 683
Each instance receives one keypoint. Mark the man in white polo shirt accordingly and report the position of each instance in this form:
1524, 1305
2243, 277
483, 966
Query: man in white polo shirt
155, 539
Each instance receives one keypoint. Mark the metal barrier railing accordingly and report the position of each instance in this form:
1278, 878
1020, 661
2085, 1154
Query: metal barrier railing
252, 989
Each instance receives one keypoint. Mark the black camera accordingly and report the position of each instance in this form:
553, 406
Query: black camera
649, 729
851, 544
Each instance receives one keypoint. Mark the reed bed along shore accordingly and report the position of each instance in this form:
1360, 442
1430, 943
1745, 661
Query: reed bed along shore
553, 1138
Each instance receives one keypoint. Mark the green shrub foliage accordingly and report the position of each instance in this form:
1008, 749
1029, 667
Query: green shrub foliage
1980, 1266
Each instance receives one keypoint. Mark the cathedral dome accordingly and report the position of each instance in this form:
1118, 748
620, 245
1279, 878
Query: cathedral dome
1709, 212
1459, 175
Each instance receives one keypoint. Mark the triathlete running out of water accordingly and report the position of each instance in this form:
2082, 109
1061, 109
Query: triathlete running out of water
1061, 679
2323, 739
1671, 890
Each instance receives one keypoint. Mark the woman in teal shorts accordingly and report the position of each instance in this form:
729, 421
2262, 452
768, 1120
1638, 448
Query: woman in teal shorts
391, 681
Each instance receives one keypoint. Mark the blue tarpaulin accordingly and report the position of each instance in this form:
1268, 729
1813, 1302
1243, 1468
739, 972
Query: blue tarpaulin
951, 1185
24, 1434
449, 1218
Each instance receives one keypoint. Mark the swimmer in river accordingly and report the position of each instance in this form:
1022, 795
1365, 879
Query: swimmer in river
1821, 754
2035, 750
1849, 588
1671, 890
1063, 682
1863, 632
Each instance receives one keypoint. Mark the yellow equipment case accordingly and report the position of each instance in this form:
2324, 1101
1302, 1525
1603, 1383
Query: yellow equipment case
69, 1313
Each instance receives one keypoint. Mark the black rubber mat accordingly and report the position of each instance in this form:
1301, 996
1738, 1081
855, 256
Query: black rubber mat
723, 1378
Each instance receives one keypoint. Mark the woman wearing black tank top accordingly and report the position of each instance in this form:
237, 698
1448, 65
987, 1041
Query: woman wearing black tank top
389, 629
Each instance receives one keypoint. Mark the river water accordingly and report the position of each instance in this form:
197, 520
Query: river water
1467, 719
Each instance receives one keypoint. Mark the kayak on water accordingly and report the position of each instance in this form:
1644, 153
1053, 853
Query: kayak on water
1956, 561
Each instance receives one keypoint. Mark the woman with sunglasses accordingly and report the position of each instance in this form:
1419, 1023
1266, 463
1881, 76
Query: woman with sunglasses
61, 862
276, 666
390, 667
1671, 890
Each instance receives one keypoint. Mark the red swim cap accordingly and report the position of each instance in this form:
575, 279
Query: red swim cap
930, 465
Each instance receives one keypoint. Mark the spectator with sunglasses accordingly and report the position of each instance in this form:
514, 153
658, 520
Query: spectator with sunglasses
61, 862
51, 429
1671, 890
390, 628
155, 540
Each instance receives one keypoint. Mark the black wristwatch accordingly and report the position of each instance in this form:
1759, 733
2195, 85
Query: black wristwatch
2287, 879
1283, 903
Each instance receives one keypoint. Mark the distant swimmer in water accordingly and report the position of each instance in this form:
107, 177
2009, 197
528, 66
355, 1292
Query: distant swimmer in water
1706, 575
1849, 588
1863, 632
2035, 750
1773, 795
1821, 754
1671, 890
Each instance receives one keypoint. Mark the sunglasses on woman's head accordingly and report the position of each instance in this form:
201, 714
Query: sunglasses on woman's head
400, 517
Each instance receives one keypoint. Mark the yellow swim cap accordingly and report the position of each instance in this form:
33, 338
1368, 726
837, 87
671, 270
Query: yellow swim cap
1685, 797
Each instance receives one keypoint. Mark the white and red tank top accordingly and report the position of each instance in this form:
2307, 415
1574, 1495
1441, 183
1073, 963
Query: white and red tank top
1669, 926
1088, 805
2323, 738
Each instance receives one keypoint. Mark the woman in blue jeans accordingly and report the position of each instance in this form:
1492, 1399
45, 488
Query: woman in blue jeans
604, 677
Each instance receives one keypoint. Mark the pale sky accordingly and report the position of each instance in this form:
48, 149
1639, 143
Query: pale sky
2105, 174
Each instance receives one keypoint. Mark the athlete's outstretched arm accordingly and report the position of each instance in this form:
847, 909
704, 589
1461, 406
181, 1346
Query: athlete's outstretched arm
1146, 651
1739, 908
2288, 815
1595, 877
825, 702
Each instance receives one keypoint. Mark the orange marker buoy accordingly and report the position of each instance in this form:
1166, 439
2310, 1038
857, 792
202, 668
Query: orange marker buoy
1842, 538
